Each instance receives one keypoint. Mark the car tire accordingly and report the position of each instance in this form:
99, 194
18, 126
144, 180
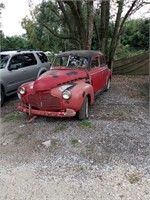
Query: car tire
108, 85
2, 97
84, 111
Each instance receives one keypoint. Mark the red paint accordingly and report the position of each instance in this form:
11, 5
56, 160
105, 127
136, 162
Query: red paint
44, 96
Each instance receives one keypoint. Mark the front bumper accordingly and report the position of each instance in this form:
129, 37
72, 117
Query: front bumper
31, 111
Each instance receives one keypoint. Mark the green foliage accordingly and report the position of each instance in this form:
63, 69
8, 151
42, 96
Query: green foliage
62, 25
15, 43
125, 51
136, 34
134, 39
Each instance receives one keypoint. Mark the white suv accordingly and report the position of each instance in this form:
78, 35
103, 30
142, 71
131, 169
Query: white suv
18, 67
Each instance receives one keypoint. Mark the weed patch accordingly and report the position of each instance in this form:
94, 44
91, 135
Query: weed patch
121, 113
20, 136
85, 124
74, 142
12, 117
134, 178
61, 128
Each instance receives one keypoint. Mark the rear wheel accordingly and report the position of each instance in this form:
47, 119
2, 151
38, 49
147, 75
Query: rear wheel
2, 97
84, 111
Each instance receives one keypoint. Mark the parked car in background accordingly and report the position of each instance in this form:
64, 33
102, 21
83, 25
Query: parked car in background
69, 87
18, 67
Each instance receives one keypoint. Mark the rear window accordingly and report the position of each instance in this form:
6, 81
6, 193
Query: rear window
43, 58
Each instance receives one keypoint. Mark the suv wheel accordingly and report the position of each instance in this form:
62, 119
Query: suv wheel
2, 97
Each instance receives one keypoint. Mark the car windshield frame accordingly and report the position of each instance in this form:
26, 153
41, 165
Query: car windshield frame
4, 58
70, 62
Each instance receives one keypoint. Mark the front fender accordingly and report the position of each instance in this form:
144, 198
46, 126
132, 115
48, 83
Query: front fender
78, 94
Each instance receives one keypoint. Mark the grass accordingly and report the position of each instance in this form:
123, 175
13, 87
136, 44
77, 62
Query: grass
134, 178
89, 148
121, 113
74, 142
20, 136
143, 94
12, 117
85, 124
61, 128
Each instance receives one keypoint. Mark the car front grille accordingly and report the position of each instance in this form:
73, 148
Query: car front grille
44, 101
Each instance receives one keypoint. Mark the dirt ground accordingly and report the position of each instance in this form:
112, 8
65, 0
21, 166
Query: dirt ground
106, 157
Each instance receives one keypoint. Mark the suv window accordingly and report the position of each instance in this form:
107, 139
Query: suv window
95, 62
3, 60
43, 58
29, 59
17, 60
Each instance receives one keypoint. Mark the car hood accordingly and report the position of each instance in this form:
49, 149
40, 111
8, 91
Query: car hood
54, 78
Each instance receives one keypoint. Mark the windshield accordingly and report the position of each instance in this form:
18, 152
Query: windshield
3, 61
71, 61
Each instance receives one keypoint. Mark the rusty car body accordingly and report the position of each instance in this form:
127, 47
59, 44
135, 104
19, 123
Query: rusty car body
69, 87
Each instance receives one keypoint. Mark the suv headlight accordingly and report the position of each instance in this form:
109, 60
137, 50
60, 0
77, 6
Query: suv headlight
22, 90
66, 94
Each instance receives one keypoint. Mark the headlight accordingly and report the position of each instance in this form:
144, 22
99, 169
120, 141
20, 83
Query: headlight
66, 94
22, 90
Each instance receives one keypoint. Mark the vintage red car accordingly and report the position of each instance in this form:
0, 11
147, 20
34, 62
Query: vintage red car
69, 87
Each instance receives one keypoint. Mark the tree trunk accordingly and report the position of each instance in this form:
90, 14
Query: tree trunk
104, 24
80, 25
115, 38
90, 16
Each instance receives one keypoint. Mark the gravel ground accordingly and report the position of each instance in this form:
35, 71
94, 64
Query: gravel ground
105, 157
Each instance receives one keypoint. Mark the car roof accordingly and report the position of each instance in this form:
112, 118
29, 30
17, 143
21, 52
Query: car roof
17, 52
86, 53
7, 52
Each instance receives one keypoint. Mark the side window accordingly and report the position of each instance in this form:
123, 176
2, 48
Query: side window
29, 59
102, 61
17, 60
43, 58
95, 62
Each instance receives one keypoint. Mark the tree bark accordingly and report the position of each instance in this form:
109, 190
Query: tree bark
78, 22
90, 16
115, 38
104, 24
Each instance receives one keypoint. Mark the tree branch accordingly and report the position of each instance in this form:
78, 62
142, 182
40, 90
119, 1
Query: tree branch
56, 34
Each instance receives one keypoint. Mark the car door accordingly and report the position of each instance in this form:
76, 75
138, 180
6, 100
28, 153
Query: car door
31, 67
105, 72
96, 74
15, 74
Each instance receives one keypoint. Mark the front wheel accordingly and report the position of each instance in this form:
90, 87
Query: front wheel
84, 111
